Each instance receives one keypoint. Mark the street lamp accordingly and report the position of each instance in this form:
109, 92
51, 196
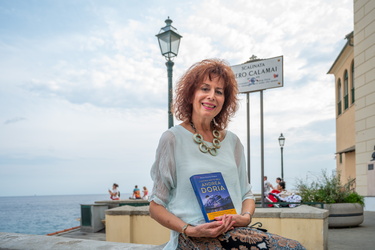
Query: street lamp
281, 143
169, 42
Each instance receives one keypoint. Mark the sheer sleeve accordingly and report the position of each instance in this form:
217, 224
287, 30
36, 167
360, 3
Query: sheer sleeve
163, 171
241, 168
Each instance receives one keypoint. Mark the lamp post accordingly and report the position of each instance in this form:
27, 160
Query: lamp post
169, 42
281, 143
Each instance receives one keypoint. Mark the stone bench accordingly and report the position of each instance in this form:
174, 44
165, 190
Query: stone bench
308, 225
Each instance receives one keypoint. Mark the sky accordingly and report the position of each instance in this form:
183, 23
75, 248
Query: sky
83, 86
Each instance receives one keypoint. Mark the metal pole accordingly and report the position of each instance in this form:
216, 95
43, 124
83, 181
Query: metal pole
248, 136
262, 144
282, 164
170, 64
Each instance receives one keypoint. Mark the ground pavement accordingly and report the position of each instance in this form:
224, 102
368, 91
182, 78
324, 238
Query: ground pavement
361, 237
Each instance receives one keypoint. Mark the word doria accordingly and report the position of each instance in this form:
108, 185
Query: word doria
213, 186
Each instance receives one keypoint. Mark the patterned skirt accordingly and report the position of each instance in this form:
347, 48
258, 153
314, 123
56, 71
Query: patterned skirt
240, 238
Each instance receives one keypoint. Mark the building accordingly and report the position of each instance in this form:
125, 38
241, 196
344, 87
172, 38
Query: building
354, 71
343, 70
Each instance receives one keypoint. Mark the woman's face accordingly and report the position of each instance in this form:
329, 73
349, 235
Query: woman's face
209, 98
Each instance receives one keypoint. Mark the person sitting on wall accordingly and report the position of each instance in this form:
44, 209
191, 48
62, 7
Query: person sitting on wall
114, 193
136, 193
281, 194
145, 193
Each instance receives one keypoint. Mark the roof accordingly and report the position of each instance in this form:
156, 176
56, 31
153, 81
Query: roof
349, 37
347, 150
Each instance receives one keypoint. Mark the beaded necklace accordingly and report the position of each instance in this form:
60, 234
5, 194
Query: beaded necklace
203, 147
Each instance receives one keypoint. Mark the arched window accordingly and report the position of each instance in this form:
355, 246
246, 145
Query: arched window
339, 97
352, 84
346, 90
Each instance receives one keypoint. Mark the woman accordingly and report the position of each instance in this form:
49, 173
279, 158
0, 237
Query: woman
145, 193
114, 193
281, 194
273, 196
206, 99
282, 191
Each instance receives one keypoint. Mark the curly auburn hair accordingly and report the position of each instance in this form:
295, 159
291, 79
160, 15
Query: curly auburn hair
191, 81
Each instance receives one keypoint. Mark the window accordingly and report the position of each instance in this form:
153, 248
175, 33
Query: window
352, 83
346, 88
339, 97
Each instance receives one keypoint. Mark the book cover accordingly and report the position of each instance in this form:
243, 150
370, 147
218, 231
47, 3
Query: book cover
212, 195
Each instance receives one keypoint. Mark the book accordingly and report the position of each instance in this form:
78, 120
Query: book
212, 195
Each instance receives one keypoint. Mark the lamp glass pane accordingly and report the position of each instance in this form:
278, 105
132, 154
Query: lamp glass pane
175, 43
164, 42
281, 141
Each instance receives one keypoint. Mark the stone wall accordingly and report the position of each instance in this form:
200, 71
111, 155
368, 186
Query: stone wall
308, 225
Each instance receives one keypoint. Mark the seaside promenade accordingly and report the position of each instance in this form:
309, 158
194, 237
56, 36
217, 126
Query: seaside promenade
361, 237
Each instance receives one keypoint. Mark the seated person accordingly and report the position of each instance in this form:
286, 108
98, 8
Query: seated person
136, 193
282, 195
282, 192
273, 198
145, 193
114, 193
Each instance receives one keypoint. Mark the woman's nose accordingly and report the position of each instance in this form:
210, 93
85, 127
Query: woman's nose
211, 95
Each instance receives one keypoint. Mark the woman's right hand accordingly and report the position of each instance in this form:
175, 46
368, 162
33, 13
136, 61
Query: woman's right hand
211, 229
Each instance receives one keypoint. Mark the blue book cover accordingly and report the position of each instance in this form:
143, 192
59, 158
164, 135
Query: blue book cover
212, 195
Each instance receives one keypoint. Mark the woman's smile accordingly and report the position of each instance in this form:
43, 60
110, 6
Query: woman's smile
208, 106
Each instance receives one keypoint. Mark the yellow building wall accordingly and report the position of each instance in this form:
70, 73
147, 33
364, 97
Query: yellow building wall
345, 129
345, 122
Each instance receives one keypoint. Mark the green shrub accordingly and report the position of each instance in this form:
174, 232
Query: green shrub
328, 189
355, 198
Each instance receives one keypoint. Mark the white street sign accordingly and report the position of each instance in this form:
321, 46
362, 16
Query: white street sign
259, 75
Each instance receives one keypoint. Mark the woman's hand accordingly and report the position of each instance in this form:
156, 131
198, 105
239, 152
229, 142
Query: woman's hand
211, 229
239, 220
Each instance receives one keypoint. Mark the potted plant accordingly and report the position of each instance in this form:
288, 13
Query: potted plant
345, 205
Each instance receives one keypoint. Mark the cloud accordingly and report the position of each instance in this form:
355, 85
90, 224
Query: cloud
14, 120
93, 88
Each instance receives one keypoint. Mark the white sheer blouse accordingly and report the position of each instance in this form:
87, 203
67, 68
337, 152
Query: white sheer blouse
178, 157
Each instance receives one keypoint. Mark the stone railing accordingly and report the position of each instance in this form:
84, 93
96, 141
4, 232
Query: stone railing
134, 228
308, 225
134, 225
130, 202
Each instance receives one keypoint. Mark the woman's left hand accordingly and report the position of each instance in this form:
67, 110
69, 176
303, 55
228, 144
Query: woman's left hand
239, 220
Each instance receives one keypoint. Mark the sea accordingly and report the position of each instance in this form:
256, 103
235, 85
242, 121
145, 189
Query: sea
42, 215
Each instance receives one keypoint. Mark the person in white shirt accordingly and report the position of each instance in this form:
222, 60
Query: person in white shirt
206, 99
267, 186
114, 193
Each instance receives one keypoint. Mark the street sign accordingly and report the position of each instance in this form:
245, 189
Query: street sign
259, 74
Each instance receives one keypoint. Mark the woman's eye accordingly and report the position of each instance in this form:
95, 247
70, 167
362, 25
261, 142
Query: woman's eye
219, 92
205, 89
